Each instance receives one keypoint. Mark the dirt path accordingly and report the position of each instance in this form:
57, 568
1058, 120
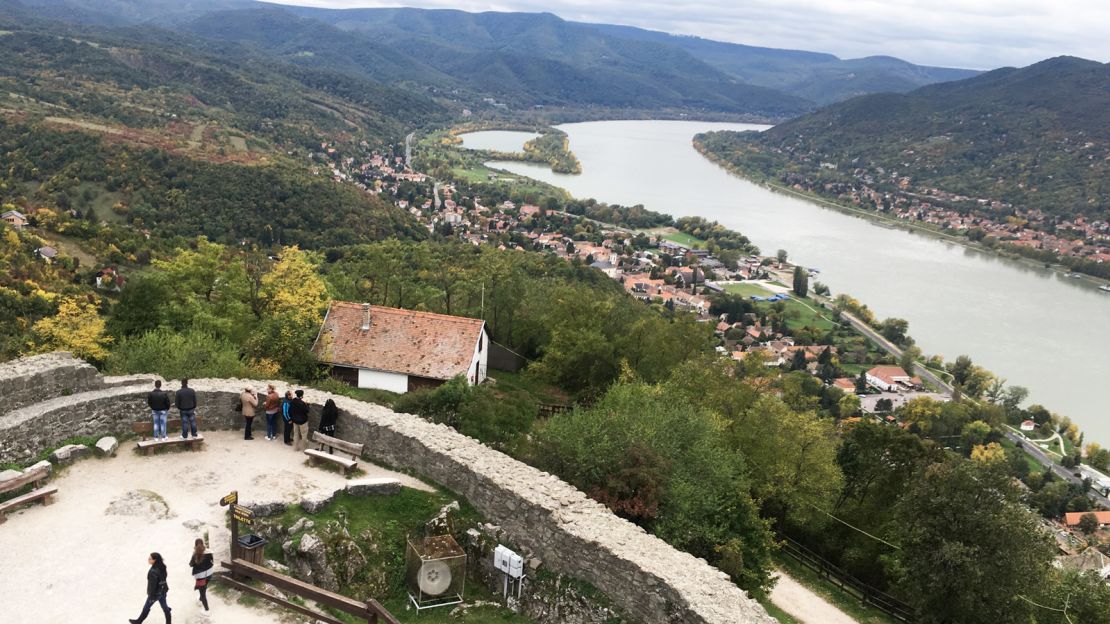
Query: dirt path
804, 605
83, 559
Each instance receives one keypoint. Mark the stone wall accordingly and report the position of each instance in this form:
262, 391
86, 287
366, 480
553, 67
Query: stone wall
30, 380
573, 535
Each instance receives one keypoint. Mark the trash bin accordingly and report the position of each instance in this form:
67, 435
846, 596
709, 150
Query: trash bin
251, 548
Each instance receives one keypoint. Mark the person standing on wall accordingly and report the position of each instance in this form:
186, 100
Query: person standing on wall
248, 402
159, 403
201, 563
298, 411
156, 588
185, 400
272, 407
287, 418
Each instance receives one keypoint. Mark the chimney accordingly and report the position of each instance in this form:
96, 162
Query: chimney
366, 317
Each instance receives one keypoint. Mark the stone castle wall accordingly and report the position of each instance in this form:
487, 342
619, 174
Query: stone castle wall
573, 535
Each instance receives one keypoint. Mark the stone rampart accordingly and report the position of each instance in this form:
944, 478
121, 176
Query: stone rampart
570, 533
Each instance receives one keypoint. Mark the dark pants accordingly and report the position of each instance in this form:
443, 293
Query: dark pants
203, 590
247, 429
150, 602
287, 431
188, 423
271, 425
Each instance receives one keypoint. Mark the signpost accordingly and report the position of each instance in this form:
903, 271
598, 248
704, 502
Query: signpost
242, 514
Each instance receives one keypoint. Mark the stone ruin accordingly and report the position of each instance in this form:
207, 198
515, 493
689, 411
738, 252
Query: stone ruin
50, 398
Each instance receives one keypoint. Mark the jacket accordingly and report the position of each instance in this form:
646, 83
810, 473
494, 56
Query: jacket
250, 402
328, 416
298, 411
185, 399
156, 582
285, 403
158, 400
204, 568
273, 403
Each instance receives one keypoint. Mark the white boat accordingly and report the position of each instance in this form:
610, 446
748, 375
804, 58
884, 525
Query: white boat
1104, 287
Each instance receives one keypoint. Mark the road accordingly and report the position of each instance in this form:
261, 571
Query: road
1060, 471
893, 349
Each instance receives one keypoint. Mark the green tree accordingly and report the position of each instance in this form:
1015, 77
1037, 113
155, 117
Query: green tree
1088, 523
968, 546
801, 282
781, 255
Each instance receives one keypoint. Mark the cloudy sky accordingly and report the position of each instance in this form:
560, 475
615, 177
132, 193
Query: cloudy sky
980, 34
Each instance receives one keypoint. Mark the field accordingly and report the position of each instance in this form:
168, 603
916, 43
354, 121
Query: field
803, 311
745, 289
684, 239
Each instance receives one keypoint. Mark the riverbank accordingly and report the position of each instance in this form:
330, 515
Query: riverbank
882, 219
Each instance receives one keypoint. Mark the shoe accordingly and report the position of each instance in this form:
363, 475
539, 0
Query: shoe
135, 621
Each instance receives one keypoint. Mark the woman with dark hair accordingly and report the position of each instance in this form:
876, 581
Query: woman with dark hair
156, 588
201, 563
328, 417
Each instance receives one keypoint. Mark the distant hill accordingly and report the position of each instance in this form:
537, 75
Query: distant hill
521, 60
1036, 137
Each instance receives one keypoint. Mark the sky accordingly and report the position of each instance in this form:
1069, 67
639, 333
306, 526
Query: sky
976, 34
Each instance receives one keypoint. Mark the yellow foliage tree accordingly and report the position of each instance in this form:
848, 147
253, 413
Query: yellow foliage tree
77, 328
992, 453
295, 287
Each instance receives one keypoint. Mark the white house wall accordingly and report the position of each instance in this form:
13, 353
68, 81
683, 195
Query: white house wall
394, 382
480, 357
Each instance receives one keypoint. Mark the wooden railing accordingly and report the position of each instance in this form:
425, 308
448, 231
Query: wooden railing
374, 612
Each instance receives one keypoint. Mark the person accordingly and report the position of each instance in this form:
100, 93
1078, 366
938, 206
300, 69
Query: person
159, 403
201, 564
156, 588
328, 416
248, 402
298, 411
272, 407
185, 400
287, 418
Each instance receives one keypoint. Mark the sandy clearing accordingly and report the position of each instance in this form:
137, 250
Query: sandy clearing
71, 562
806, 606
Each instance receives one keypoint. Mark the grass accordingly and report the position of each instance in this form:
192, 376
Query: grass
543, 392
839, 598
746, 289
782, 616
684, 239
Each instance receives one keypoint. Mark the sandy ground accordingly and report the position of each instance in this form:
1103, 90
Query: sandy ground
806, 606
83, 559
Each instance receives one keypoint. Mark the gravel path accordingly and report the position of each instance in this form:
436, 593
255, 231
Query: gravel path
806, 606
83, 559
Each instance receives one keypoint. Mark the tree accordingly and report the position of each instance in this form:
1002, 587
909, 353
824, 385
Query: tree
861, 383
908, 359
1097, 457
798, 363
992, 453
895, 330
77, 327
975, 433
1088, 523
801, 281
781, 255
821, 289
968, 546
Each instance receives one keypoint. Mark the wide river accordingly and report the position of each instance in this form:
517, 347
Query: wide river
1031, 326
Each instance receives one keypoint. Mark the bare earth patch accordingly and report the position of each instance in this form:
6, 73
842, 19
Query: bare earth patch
83, 559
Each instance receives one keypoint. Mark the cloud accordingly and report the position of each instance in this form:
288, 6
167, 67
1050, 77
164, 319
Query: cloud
980, 34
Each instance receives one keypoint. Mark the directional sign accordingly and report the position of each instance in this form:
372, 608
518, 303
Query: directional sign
242, 514
230, 499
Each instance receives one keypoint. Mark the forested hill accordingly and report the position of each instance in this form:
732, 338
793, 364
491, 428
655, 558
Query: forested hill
1034, 138
520, 60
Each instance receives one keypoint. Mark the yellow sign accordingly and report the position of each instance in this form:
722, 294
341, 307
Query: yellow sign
242, 514
230, 499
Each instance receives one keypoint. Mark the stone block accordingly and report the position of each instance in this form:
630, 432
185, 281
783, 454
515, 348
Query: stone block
266, 509
69, 453
315, 502
107, 446
382, 486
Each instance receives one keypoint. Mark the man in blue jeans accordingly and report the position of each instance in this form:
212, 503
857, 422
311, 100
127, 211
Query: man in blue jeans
159, 403
185, 400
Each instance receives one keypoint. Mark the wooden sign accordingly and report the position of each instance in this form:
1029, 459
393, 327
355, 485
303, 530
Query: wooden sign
242, 514
230, 499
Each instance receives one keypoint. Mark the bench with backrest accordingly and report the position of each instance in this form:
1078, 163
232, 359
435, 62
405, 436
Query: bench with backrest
173, 429
334, 444
40, 492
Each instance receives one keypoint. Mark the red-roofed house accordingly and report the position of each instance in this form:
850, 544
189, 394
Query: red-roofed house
891, 378
845, 383
1072, 518
398, 350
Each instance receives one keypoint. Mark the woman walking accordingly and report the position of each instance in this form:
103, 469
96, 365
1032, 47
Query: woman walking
201, 563
249, 402
272, 407
156, 588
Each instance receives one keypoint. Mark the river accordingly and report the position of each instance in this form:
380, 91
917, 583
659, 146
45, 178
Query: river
1029, 325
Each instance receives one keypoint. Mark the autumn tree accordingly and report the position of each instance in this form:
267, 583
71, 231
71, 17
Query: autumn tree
77, 327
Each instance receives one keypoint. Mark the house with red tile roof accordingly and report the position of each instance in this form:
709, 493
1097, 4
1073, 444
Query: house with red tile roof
891, 379
398, 350
1072, 518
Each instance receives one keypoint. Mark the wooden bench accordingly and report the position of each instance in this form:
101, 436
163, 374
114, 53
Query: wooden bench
45, 494
333, 444
173, 429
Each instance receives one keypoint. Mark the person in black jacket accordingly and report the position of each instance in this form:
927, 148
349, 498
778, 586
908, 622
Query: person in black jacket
328, 417
298, 411
185, 400
156, 588
159, 403
201, 564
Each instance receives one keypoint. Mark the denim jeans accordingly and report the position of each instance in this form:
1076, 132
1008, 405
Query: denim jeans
150, 603
271, 425
188, 422
159, 417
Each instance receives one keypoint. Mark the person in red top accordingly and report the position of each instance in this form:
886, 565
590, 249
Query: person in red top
272, 407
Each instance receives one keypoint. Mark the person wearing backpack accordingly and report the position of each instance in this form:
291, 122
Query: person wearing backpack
156, 588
